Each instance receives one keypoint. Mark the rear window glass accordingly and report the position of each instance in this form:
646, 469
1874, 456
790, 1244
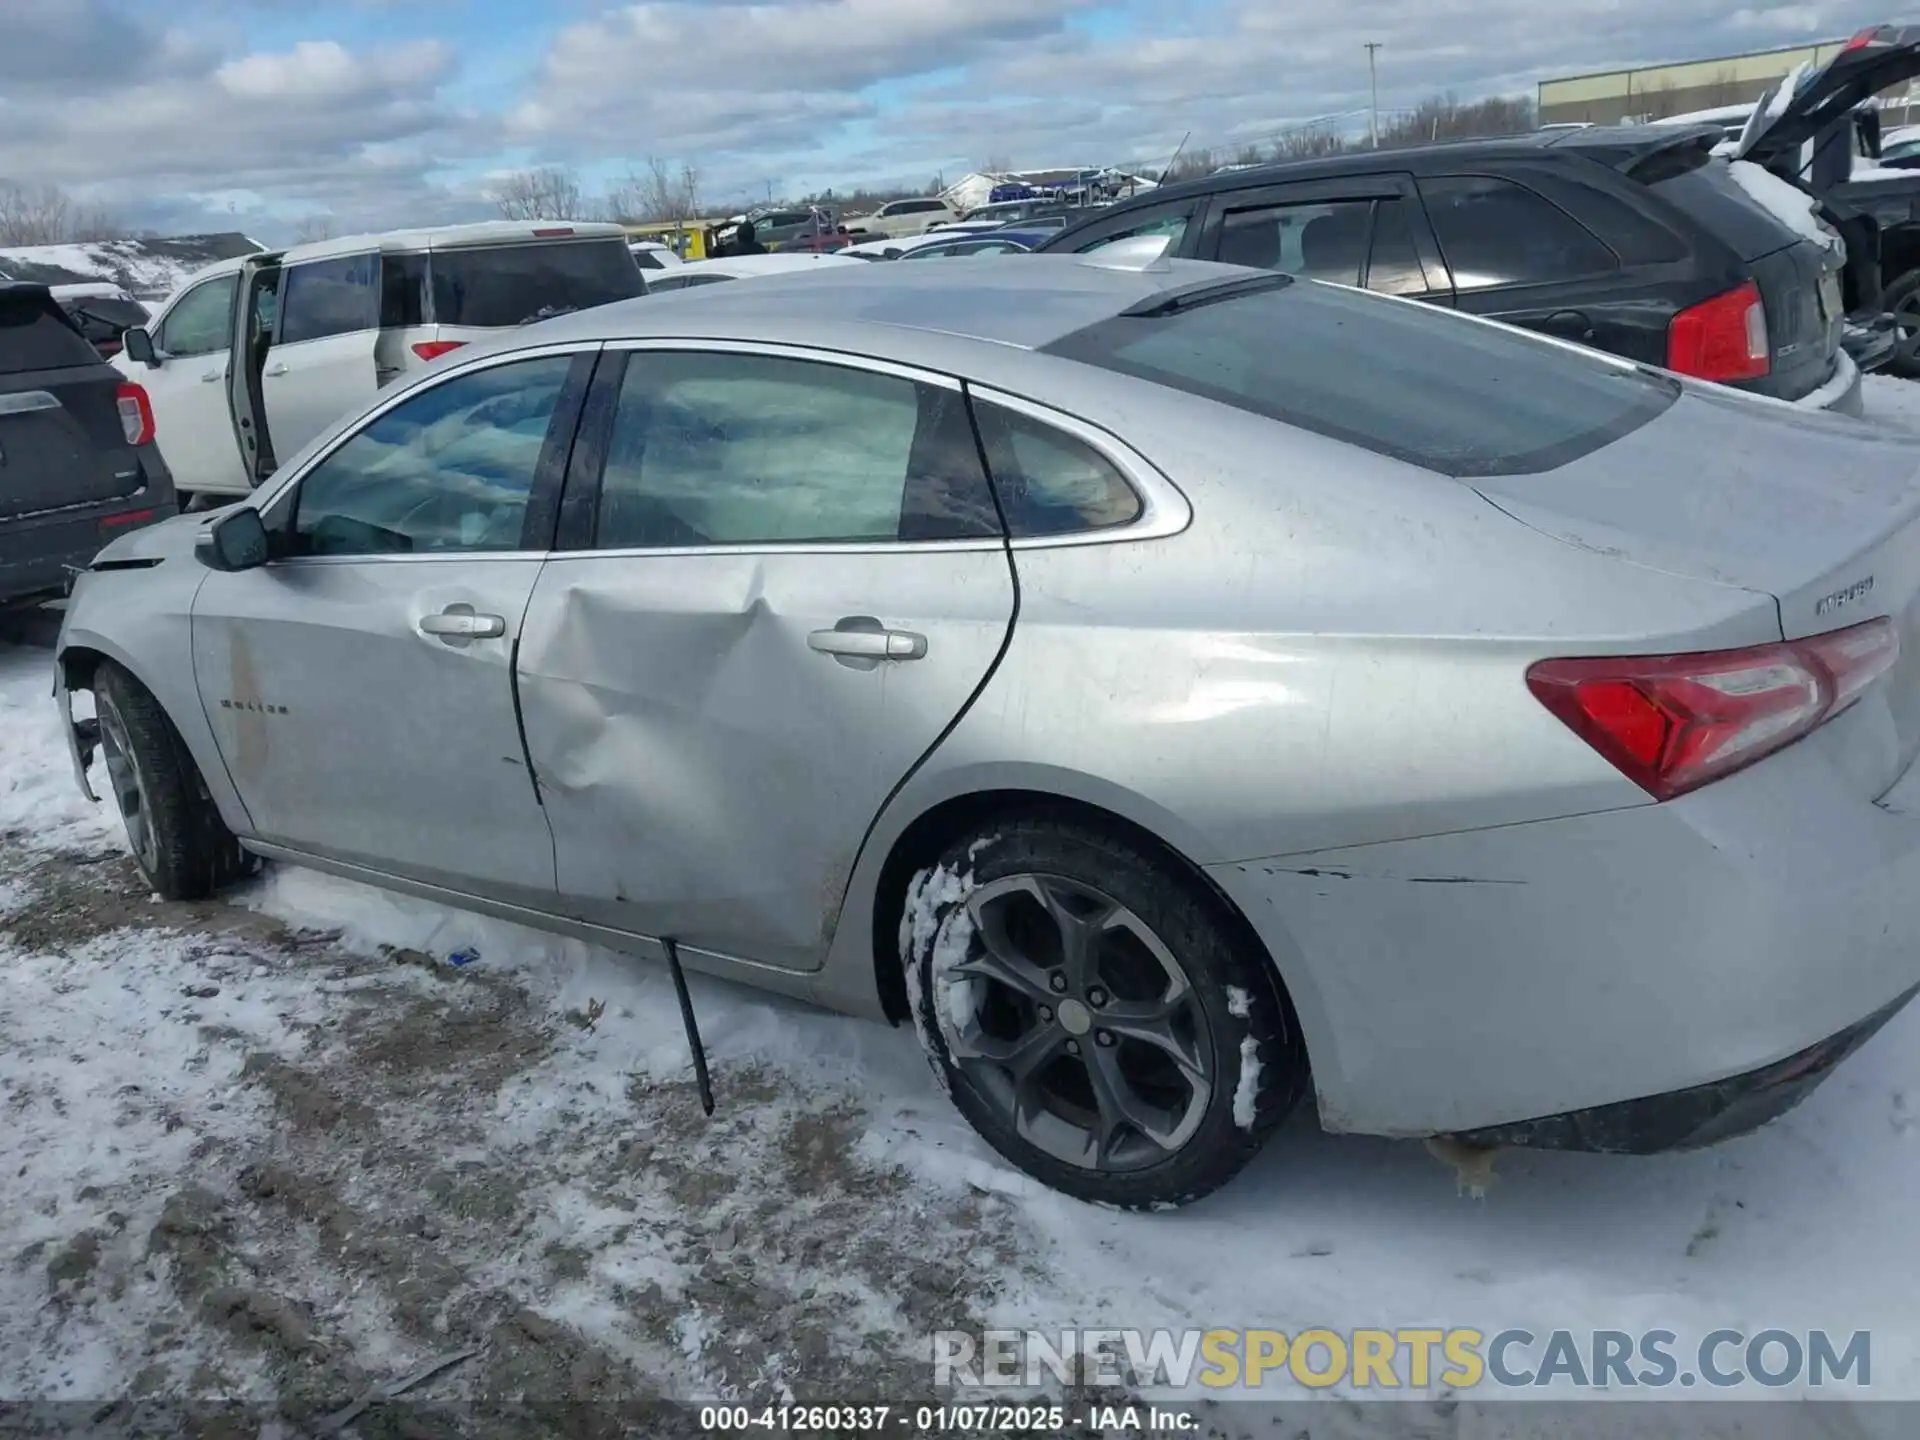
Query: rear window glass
35, 335
505, 285
1398, 378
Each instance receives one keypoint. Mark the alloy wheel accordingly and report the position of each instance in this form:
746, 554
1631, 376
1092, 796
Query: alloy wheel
1077, 1023
129, 789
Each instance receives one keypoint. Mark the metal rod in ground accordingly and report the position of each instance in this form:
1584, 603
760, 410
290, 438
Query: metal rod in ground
693, 1030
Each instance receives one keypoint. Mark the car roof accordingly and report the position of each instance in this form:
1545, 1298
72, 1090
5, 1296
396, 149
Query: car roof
443, 237
905, 312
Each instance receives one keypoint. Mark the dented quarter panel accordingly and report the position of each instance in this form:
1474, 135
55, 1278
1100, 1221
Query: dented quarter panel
707, 775
351, 734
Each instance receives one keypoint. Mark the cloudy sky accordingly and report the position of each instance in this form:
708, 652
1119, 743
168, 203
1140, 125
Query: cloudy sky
252, 114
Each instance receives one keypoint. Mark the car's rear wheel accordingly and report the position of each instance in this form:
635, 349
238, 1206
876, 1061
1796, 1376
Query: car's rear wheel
182, 846
1902, 297
1094, 1016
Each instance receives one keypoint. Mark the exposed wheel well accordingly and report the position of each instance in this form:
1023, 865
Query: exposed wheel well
924, 840
1899, 252
77, 667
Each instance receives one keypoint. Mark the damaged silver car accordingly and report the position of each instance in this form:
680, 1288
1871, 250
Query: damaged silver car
1174, 689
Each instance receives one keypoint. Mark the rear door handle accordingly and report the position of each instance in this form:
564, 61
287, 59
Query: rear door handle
861, 637
212, 377
280, 369
458, 623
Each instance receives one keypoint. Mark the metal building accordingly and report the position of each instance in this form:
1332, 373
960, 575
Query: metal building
1653, 92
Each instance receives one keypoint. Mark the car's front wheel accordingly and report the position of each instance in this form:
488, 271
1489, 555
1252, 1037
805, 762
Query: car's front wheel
182, 846
1093, 1016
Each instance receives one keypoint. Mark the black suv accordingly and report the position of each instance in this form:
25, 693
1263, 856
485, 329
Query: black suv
1635, 240
78, 465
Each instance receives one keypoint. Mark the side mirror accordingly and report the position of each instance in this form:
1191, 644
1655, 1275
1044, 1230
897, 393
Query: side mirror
139, 345
236, 541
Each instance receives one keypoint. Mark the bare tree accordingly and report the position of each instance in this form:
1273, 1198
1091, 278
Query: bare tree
997, 164
47, 215
662, 193
551, 192
1190, 164
313, 227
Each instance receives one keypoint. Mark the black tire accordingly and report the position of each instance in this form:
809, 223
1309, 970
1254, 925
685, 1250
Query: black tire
183, 848
1902, 297
1016, 879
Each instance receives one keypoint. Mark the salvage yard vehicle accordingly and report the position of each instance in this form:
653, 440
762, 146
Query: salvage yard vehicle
899, 218
1631, 239
326, 326
1818, 129
78, 466
695, 274
1169, 687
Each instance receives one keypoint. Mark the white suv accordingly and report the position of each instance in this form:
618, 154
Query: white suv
907, 217
327, 324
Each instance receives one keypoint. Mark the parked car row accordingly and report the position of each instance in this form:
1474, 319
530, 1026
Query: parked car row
1174, 689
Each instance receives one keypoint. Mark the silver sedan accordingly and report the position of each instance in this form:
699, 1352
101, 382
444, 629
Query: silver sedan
1174, 689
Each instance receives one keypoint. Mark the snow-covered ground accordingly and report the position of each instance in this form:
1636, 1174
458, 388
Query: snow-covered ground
150, 269
278, 1147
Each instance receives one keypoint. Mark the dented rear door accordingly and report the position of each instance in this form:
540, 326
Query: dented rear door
784, 582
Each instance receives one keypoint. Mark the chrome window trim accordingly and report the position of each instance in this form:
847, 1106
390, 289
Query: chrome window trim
1164, 510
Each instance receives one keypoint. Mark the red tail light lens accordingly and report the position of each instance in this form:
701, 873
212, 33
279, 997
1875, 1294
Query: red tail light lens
552, 233
1671, 723
136, 414
434, 349
130, 517
1722, 339
1862, 40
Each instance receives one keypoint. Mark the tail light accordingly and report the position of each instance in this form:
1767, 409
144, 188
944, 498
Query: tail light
1722, 339
552, 233
434, 349
1862, 40
1671, 723
136, 413
126, 518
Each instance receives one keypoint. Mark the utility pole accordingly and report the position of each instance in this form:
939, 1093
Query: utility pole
1373, 83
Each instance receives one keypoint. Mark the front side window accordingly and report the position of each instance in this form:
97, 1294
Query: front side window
201, 323
1494, 232
450, 468
712, 449
1172, 224
322, 298
1436, 390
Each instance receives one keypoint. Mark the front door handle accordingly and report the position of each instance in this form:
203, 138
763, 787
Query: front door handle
863, 642
212, 377
1566, 325
279, 369
458, 624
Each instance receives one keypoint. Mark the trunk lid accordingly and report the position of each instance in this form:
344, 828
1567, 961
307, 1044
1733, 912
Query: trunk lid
62, 444
1822, 513
1802, 104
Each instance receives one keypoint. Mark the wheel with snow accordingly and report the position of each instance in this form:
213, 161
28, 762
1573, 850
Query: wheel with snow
1902, 297
1093, 1016
183, 848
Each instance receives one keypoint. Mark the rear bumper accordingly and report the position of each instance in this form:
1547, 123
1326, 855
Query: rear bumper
38, 553
1842, 394
1703, 1115
1483, 980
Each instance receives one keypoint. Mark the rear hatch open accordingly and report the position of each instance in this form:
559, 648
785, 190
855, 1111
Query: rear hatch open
61, 435
1821, 513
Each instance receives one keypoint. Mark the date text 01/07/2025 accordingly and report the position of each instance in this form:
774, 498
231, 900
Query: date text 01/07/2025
933, 1420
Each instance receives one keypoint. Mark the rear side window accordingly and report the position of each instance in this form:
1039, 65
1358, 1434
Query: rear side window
501, 286
36, 335
322, 298
1049, 482
761, 450
403, 291
1494, 232
1440, 391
